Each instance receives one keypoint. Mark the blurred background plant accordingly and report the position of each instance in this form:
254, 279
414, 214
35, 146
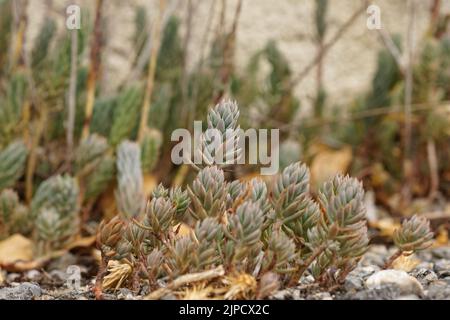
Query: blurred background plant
72, 154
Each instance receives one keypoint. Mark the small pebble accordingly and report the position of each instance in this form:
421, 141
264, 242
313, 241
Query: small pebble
424, 275
23, 291
406, 283
442, 268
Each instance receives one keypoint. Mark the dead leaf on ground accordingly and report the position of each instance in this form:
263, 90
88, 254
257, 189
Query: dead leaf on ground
441, 238
329, 162
19, 253
406, 263
15, 248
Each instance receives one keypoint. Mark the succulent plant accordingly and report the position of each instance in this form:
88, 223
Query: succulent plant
150, 149
90, 152
159, 215
414, 234
208, 193
160, 191
12, 163
58, 192
125, 115
224, 119
55, 210
129, 193
244, 229
13, 215
99, 179
250, 229
54, 230
180, 200
293, 203
109, 234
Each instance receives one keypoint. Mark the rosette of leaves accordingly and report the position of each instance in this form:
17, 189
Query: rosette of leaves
150, 149
108, 236
180, 199
159, 217
94, 165
414, 234
281, 253
126, 115
53, 230
221, 120
208, 235
90, 152
208, 193
12, 163
11, 104
13, 215
236, 190
292, 202
58, 192
341, 234
243, 232
55, 210
130, 193
160, 191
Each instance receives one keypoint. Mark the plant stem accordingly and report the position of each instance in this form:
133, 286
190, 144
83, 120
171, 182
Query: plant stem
94, 68
98, 288
391, 260
32, 159
156, 34
72, 95
407, 162
306, 264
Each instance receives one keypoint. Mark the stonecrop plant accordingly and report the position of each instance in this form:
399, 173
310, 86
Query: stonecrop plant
250, 228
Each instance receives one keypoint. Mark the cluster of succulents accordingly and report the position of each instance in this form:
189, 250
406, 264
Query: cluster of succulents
247, 227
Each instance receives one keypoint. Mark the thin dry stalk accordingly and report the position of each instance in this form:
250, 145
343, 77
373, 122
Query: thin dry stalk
144, 56
72, 95
407, 162
228, 51
434, 168
17, 57
32, 158
201, 62
191, 8
187, 279
94, 68
156, 35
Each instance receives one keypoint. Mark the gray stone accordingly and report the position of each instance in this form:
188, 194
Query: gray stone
406, 283
320, 296
439, 290
58, 275
355, 279
33, 275
12, 277
425, 276
441, 252
442, 268
23, 291
383, 292
425, 265
408, 297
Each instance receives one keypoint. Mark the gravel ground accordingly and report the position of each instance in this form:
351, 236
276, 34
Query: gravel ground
429, 279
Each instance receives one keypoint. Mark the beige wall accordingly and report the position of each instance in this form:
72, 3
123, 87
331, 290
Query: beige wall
348, 66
